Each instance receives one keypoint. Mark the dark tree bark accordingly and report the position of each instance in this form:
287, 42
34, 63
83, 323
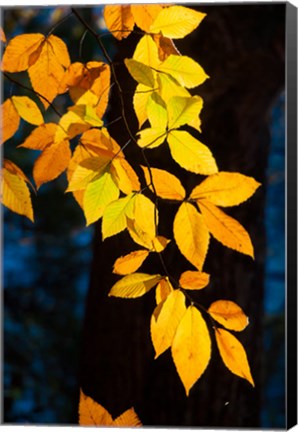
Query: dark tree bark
241, 47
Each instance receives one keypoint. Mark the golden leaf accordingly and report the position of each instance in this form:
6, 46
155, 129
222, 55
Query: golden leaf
119, 20
191, 348
165, 320
27, 109
183, 110
165, 47
151, 137
124, 175
10, 120
193, 280
140, 72
229, 314
233, 354
134, 285
191, 234
130, 263
41, 137
115, 214
226, 189
2, 35
225, 229
163, 289
86, 170
140, 100
146, 52
145, 215
159, 243
166, 185
22, 51
144, 15
128, 419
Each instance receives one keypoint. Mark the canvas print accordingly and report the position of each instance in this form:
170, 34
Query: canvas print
143, 192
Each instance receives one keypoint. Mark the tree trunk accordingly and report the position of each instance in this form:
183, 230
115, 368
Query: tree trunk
241, 48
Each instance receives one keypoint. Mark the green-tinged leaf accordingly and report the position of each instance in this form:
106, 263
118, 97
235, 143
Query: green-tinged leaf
166, 185
165, 320
87, 170
151, 137
191, 234
142, 73
114, 216
229, 314
191, 348
130, 263
190, 153
134, 285
184, 70
226, 189
157, 112
176, 21
183, 110
99, 193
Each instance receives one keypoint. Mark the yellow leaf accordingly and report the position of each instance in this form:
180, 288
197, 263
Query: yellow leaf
226, 189
92, 413
100, 192
163, 289
191, 348
130, 263
27, 109
233, 354
225, 229
194, 280
47, 72
41, 137
157, 112
86, 170
51, 163
140, 100
10, 120
176, 21
145, 215
151, 137
134, 285
144, 15
124, 175
164, 323
190, 153
168, 88
191, 234
184, 70
182, 110
71, 124
142, 73
229, 314
159, 243
165, 46
80, 153
21, 52
166, 185
119, 20
15, 194
128, 419
138, 234
98, 140
146, 52
114, 216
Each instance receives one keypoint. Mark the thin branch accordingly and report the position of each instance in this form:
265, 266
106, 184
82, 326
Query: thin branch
58, 24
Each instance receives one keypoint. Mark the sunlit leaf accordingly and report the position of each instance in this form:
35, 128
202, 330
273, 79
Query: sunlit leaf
134, 285
233, 354
144, 15
128, 419
140, 100
130, 263
182, 110
27, 109
194, 280
41, 137
229, 314
176, 21
191, 234
190, 153
114, 216
119, 20
225, 229
165, 46
191, 348
184, 70
86, 170
10, 120
157, 112
95, 139
145, 215
142, 73
22, 52
124, 176
146, 52
151, 137
163, 289
166, 185
226, 189
2, 35
159, 243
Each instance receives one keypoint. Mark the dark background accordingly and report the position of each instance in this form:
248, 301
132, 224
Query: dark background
50, 350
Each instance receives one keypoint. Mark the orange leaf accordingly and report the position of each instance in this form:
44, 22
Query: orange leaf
163, 289
194, 280
124, 176
165, 47
92, 413
130, 263
225, 229
22, 52
233, 354
95, 139
226, 189
2, 35
119, 20
166, 185
144, 15
10, 120
41, 137
128, 419
229, 314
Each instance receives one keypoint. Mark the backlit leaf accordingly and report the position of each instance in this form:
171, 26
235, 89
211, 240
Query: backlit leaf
182, 110
226, 189
128, 419
134, 285
165, 47
2, 35
114, 216
163, 289
233, 354
190, 153
164, 324
86, 170
95, 139
15, 194
124, 175
27, 109
229, 314
140, 100
10, 120
41, 137
146, 52
119, 20
225, 229
168, 88
159, 243
142, 73
99, 193
145, 215
194, 280
157, 112
184, 70
130, 263
166, 185
151, 137
191, 348
21, 52
144, 15
92, 413
191, 234
176, 21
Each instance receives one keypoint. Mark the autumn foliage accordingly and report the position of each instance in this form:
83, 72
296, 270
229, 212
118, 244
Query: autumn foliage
106, 186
